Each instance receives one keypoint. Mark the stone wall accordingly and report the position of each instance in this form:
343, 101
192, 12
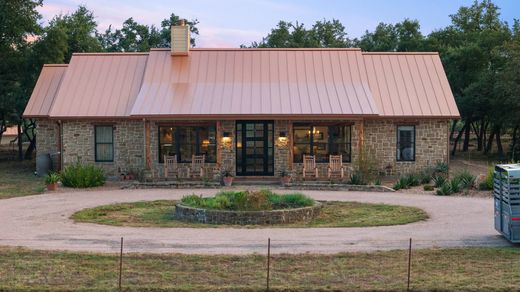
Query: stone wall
282, 148
431, 138
78, 144
47, 133
190, 214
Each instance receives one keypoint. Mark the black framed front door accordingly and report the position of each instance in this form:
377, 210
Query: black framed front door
254, 148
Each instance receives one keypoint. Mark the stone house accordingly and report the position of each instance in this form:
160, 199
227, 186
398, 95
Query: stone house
254, 111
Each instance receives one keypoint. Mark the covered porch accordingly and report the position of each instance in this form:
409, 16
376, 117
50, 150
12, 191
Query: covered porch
249, 150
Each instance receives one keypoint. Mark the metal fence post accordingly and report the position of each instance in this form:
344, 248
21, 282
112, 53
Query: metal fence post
268, 260
409, 264
121, 264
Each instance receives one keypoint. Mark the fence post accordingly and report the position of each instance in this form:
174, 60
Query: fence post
268, 260
409, 264
121, 264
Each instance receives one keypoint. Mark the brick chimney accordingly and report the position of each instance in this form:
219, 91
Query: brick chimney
180, 43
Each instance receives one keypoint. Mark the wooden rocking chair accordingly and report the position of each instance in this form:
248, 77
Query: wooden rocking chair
335, 168
197, 166
170, 165
309, 166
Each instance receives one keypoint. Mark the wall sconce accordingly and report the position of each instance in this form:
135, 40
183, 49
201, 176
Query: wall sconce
283, 136
226, 136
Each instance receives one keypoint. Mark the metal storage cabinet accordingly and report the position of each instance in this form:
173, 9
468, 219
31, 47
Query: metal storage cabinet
506, 193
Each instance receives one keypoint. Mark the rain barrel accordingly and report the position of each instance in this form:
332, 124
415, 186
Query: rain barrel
43, 164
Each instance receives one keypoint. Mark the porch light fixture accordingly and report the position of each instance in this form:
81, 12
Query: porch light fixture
283, 136
226, 137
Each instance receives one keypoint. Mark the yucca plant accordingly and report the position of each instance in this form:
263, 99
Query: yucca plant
444, 189
438, 181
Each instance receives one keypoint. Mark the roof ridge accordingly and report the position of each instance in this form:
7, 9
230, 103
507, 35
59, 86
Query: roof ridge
263, 49
111, 54
399, 53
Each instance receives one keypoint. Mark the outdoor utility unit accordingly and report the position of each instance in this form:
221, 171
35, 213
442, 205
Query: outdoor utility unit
506, 191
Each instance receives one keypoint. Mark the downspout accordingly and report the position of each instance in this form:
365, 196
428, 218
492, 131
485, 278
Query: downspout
60, 145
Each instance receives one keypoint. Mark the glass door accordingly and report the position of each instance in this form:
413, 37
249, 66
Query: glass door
255, 148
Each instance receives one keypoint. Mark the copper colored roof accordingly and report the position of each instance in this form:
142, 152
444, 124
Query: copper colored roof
45, 90
11, 131
409, 85
255, 82
246, 83
100, 85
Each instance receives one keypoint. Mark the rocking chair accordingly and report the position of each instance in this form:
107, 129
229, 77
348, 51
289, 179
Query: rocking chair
309, 166
336, 168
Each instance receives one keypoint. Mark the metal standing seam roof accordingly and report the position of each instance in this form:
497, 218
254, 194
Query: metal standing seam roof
100, 85
253, 82
245, 83
45, 90
409, 85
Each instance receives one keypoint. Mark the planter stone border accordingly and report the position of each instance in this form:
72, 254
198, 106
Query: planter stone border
210, 216
326, 186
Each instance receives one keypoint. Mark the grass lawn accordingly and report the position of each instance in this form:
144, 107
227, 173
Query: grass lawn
457, 269
334, 214
17, 179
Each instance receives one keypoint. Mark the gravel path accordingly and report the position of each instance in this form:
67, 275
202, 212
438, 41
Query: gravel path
42, 222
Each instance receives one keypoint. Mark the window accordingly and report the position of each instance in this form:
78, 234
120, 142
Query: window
321, 141
104, 140
406, 143
185, 141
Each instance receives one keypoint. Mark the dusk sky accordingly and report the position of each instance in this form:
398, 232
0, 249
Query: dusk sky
229, 23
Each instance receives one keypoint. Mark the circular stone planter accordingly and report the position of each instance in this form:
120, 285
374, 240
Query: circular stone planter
211, 216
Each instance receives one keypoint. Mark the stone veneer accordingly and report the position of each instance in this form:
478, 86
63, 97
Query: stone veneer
47, 133
129, 144
431, 138
284, 216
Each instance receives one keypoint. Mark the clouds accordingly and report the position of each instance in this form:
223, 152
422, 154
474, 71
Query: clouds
230, 23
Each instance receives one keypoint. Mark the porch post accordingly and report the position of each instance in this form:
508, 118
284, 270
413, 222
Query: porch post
147, 145
361, 138
219, 143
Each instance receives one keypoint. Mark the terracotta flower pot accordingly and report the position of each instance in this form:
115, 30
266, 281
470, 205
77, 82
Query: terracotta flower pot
285, 180
228, 180
52, 187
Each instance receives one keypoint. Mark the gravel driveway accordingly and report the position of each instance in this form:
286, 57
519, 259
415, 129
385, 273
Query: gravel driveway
42, 222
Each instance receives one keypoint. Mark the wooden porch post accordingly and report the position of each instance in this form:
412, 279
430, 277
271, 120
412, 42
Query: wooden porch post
147, 144
291, 145
219, 151
361, 138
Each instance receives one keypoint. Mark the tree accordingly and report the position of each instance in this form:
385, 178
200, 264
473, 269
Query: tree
18, 22
80, 28
403, 36
135, 37
323, 34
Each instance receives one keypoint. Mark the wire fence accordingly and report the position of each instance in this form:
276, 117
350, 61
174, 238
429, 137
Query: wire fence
403, 266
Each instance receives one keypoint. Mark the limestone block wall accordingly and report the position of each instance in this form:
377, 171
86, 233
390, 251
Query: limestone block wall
79, 144
431, 138
47, 134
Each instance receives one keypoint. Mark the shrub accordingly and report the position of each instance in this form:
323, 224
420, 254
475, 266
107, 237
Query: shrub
79, 175
248, 201
425, 176
444, 189
357, 178
465, 178
428, 188
487, 183
406, 181
441, 167
455, 185
438, 181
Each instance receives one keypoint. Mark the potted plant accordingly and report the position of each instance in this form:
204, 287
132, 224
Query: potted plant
227, 177
52, 180
285, 176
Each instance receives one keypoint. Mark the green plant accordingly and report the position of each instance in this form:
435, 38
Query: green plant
465, 178
79, 175
444, 190
438, 181
52, 178
428, 188
455, 184
357, 178
248, 201
487, 183
441, 167
425, 176
284, 173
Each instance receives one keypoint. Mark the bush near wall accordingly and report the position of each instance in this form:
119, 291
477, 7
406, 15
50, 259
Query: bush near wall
79, 175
